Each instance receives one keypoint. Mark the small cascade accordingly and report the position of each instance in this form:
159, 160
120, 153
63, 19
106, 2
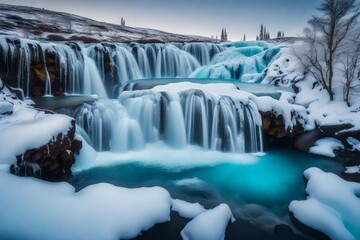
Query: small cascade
203, 52
189, 117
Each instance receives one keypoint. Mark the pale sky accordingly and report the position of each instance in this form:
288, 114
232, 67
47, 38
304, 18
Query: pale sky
194, 17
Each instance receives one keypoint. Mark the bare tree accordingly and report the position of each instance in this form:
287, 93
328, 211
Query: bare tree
327, 36
351, 66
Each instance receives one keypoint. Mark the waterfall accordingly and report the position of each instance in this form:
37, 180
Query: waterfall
49, 68
133, 119
189, 117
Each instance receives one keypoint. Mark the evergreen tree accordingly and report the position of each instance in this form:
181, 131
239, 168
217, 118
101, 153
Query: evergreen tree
283, 34
244, 37
222, 35
122, 21
261, 36
226, 36
265, 34
278, 34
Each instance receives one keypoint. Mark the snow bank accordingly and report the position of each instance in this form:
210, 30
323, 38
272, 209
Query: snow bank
187, 210
323, 112
326, 147
333, 205
33, 209
26, 128
210, 225
285, 70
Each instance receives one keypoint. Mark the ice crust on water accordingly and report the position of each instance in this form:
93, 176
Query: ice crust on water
332, 207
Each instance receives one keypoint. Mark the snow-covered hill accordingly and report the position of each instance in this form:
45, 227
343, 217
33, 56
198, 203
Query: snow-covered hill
29, 22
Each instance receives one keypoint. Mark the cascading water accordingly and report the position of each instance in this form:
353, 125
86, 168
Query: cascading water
178, 118
45, 68
189, 117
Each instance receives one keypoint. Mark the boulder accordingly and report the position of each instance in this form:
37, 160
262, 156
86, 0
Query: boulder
307, 140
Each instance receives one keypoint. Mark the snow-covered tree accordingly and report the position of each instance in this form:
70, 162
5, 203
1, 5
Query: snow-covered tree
327, 39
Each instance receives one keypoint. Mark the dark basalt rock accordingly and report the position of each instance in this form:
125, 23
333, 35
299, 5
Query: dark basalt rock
308, 230
274, 127
240, 229
340, 131
352, 159
306, 140
52, 161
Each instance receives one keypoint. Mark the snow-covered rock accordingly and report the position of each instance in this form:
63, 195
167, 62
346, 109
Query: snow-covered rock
326, 147
187, 210
6, 108
210, 225
332, 207
33, 209
35, 142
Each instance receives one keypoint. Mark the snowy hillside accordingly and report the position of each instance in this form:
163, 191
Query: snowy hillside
29, 22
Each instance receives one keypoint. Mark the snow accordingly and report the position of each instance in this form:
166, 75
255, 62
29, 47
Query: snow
190, 182
315, 98
33, 209
285, 70
333, 205
326, 147
27, 128
354, 143
6, 108
210, 225
187, 210
352, 169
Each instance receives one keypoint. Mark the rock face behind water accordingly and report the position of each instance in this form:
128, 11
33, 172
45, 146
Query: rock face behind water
52, 161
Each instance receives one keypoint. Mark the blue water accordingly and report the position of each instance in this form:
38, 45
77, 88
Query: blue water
270, 182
